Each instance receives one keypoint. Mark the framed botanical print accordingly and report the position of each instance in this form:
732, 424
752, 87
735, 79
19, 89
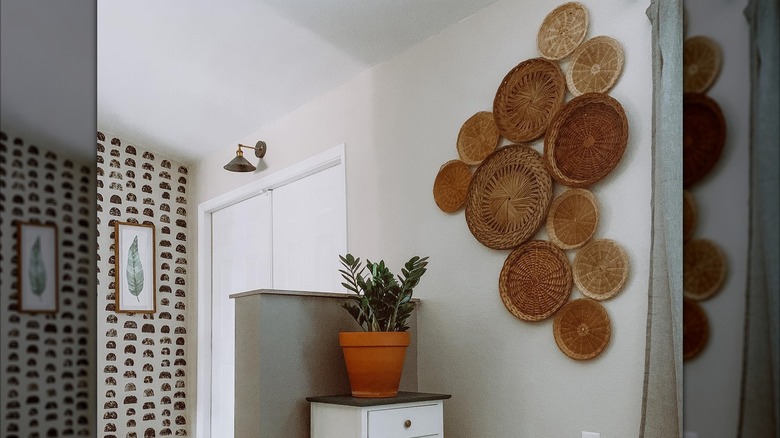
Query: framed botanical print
134, 246
38, 269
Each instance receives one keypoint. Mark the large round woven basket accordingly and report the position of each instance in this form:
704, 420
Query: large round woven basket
508, 197
528, 98
451, 185
595, 66
689, 216
586, 140
562, 30
535, 280
704, 135
582, 329
701, 64
704, 269
696, 329
478, 138
573, 218
600, 269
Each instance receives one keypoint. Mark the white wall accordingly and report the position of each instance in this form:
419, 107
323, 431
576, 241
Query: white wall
399, 122
712, 380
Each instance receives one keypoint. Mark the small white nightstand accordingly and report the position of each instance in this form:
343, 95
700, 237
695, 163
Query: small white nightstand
409, 415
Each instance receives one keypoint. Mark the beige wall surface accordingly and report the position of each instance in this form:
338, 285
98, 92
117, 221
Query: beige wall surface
400, 121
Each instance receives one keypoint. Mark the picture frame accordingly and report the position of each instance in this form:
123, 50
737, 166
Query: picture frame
135, 268
38, 267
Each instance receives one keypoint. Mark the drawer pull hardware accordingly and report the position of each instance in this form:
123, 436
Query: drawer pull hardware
408, 424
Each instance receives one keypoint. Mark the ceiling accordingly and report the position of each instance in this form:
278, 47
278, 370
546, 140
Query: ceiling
187, 77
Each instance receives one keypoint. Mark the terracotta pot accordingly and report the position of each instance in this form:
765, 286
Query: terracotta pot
374, 361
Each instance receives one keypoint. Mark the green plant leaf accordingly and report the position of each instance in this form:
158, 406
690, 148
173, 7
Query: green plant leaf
134, 271
36, 271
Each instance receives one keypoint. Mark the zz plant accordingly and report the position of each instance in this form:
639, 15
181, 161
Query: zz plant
382, 301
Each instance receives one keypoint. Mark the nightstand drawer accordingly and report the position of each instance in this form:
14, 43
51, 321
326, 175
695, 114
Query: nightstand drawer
407, 422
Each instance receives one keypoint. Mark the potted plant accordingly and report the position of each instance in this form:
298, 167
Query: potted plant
381, 305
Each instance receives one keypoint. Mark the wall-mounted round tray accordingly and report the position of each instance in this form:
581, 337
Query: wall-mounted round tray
595, 66
701, 64
535, 280
478, 138
696, 329
601, 269
704, 135
704, 269
573, 218
582, 329
689, 217
451, 185
562, 30
508, 197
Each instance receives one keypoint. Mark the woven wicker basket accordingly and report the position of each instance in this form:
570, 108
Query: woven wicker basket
595, 66
528, 98
601, 269
701, 64
562, 30
704, 269
573, 218
508, 197
478, 138
582, 329
696, 329
689, 216
704, 135
451, 185
535, 280
586, 140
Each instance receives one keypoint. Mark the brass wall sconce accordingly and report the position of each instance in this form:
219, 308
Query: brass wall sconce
240, 164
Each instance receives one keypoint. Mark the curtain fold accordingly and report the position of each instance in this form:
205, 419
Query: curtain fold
759, 407
661, 415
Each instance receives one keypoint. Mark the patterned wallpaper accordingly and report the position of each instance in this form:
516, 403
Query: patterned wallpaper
47, 376
143, 362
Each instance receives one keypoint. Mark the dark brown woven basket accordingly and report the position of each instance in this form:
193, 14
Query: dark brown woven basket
586, 140
689, 215
562, 30
601, 269
704, 135
528, 98
573, 218
508, 197
451, 185
582, 329
704, 269
478, 138
696, 329
535, 280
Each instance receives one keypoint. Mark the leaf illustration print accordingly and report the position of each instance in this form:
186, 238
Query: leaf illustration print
36, 270
134, 270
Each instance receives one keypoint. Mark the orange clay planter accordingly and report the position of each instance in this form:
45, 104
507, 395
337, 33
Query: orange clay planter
374, 361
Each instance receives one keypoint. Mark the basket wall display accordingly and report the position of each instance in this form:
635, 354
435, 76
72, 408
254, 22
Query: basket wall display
478, 138
451, 185
595, 66
689, 216
562, 30
508, 197
535, 280
573, 218
704, 269
701, 64
586, 140
696, 329
528, 98
704, 136
600, 269
582, 329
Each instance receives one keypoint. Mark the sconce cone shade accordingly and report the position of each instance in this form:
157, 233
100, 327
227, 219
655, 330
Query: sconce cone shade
239, 164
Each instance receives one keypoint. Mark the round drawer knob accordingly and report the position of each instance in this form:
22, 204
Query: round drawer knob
408, 424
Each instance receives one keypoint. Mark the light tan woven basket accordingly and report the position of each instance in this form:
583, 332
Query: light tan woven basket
704, 136
696, 329
478, 138
689, 217
601, 269
586, 140
595, 66
573, 218
701, 64
582, 329
562, 30
451, 185
704, 269
535, 280
528, 98
508, 197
